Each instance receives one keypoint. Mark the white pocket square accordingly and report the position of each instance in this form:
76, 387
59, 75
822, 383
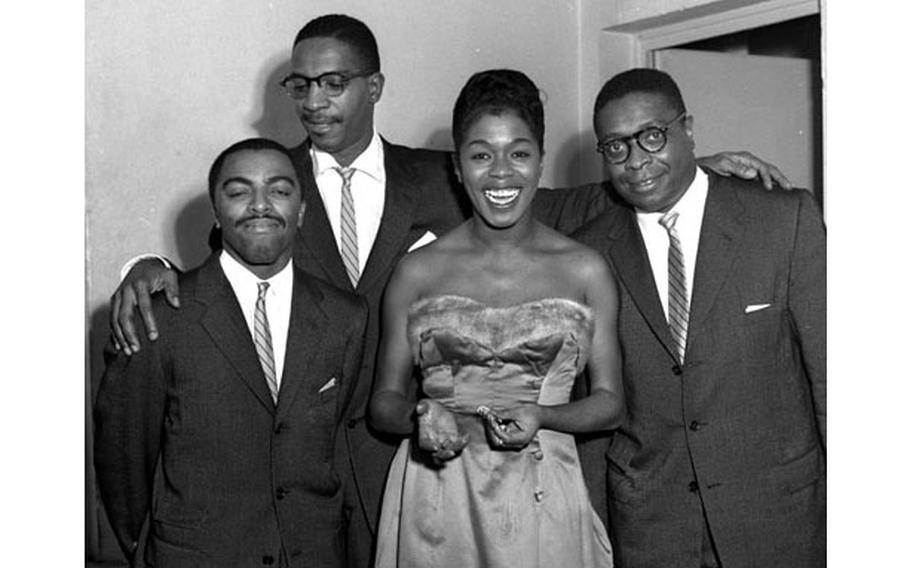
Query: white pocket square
330, 384
756, 307
426, 239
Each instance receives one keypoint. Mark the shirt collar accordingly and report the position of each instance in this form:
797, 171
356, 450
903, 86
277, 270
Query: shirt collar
370, 161
241, 277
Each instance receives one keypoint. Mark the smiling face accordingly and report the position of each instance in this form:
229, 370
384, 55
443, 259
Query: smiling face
341, 125
499, 163
257, 203
650, 182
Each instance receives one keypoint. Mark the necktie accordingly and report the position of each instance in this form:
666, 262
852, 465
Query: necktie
262, 337
348, 227
677, 302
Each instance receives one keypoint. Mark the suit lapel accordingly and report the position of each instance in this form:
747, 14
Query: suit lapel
305, 338
397, 215
718, 245
630, 259
223, 321
315, 238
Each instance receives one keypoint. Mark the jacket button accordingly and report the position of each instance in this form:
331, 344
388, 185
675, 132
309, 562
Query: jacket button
694, 425
352, 422
677, 370
281, 492
268, 560
280, 428
693, 486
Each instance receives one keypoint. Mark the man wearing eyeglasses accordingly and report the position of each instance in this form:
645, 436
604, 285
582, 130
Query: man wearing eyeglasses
368, 202
721, 459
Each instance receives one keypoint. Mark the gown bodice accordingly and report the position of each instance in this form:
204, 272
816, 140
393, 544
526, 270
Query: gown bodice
472, 354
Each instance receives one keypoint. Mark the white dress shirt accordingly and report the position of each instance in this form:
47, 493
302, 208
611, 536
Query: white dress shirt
277, 302
691, 209
367, 189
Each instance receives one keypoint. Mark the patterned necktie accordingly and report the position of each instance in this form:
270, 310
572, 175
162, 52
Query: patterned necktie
677, 302
262, 337
348, 227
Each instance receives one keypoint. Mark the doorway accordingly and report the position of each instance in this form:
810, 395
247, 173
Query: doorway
758, 89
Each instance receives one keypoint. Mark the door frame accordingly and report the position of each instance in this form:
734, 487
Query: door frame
634, 42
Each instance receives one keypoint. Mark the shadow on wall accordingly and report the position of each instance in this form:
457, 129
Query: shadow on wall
192, 230
277, 119
193, 237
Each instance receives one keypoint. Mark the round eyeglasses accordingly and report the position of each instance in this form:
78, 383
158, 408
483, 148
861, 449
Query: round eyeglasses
651, 139
332, 84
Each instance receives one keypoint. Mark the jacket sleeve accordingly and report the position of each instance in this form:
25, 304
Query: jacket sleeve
128, 418
807, 301
568, 208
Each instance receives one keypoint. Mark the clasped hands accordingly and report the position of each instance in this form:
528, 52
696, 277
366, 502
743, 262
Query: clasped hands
438, 434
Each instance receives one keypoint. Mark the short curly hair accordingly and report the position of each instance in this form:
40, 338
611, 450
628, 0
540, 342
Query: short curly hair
640, 80
350, 31
253, 144
497, 91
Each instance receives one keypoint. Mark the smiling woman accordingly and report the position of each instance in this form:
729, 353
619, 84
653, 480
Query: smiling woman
499, 165
500, 315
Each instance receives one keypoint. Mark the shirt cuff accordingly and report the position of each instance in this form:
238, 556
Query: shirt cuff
135, 260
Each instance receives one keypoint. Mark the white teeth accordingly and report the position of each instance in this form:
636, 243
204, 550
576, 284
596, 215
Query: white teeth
502, 197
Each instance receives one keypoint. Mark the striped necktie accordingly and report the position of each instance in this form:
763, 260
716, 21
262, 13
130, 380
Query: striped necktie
262, 337
677, 300
348, 227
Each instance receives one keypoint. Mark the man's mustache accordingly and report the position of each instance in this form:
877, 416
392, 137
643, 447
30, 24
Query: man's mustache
247, 219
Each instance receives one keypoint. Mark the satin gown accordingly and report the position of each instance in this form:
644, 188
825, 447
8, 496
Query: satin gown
486, 507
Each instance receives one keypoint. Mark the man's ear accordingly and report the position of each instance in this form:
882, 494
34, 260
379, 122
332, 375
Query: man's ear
300, 214
375, 83
456, 166
688, 127
215, 216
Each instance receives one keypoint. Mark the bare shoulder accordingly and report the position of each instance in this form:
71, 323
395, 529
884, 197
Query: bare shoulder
573, 251
421, 266
591, 264
581, 262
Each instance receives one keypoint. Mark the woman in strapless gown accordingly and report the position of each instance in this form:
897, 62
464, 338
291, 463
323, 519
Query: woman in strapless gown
500, 316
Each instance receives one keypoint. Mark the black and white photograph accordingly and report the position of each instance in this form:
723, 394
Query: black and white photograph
405, 284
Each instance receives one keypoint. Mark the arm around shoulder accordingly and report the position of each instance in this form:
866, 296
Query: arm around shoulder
144, 278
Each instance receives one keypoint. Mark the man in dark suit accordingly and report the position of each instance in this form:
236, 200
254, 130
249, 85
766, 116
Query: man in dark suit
244, 429
721, 459
401, 198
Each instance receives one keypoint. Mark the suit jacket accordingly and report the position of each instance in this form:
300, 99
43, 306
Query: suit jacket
419, 198
241, 481
422, 194
739, 429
